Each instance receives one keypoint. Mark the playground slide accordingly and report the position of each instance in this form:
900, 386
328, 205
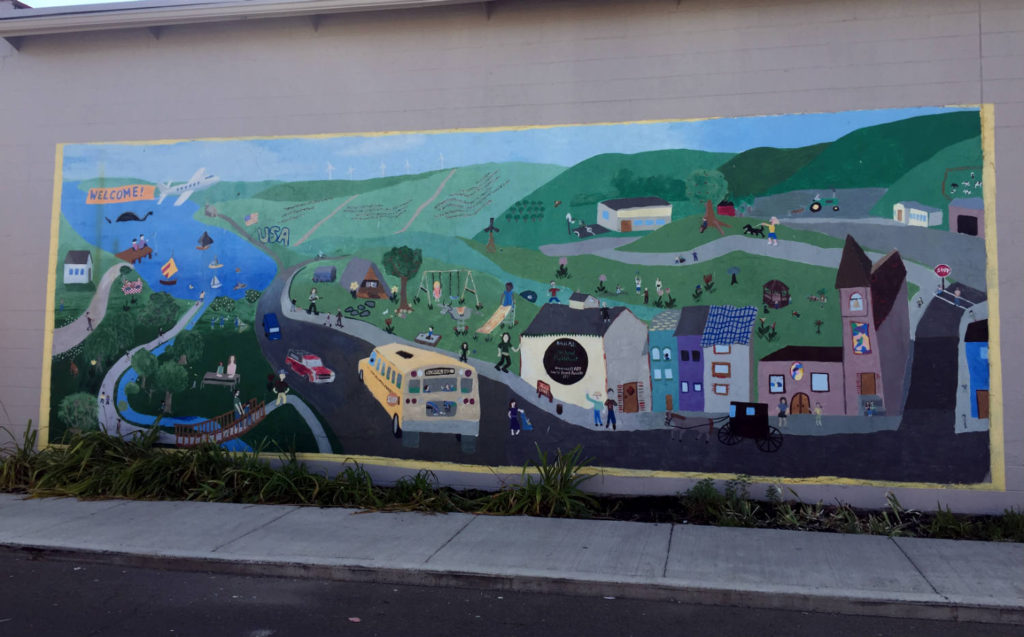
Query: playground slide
495, 320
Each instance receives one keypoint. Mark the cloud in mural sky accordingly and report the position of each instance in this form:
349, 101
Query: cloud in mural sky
367, 156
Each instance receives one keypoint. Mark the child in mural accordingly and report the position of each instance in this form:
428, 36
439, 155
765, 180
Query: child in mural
513, 418
337, 319
279, 386
232, 366
658, 287
553, 292
505, 350
610, 404
437, 291
507, 297
817, 414
773, 240
464, 352
313, 298
220, 368
647, 296
595, 401
783, 410
639, 283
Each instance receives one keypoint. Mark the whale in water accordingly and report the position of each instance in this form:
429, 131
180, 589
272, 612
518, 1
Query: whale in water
130, 216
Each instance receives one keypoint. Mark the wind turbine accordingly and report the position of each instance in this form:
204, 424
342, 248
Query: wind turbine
408, 166
383, 168
441, 157
330, 171
350, 171
490, 230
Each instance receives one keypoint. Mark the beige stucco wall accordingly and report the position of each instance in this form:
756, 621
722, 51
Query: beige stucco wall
521, 62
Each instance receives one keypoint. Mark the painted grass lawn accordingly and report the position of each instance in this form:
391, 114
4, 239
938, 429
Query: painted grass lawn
75, 297
684, 234
489, 288
754, 272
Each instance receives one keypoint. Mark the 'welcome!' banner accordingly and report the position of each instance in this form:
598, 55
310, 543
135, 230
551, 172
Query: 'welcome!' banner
133, 192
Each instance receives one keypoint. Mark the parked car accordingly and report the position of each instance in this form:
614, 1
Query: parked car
309, 366
271, 327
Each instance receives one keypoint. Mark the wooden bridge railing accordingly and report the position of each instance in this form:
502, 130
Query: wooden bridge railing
222, 428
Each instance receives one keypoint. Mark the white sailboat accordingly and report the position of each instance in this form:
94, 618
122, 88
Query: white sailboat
215, 282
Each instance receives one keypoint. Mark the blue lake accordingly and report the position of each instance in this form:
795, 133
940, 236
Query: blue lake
171, 231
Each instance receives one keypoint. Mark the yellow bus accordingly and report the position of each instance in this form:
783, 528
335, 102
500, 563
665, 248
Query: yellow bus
423, 390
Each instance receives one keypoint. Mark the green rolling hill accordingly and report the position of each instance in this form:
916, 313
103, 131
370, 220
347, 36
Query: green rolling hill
757, 170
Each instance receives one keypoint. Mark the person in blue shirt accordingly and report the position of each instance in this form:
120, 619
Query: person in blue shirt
507, 297
596, 402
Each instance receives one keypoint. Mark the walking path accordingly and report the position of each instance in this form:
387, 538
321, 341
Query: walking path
323, 445
761, 568
64, 338
923, 277
427, 202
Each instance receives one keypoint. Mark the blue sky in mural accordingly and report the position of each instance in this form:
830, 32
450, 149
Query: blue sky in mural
367, 156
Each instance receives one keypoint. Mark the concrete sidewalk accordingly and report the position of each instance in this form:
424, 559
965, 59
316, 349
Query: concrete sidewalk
853, 574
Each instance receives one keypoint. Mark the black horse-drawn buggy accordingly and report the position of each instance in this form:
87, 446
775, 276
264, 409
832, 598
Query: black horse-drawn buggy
750, 420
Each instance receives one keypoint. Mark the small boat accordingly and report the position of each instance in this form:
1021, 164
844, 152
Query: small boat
215, 282
204, 241
239, 286
237, 270
169, 269
215, 264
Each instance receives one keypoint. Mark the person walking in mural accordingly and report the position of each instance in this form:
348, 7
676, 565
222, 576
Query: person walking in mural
513, 418
610, 404
337, 319
88, 322
783, 411
280, 387
817, 414
464, 352
647, 296
313, 298
595, 400
237, 399
773, 239
505, 350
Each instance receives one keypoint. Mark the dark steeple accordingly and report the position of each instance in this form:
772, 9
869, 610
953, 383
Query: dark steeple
854, 267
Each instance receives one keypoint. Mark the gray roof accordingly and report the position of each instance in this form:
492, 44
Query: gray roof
580, 296
664, 321
692, 320
556, 319
356, 271
728, 325
970, 203
634, 202
920, 206
77, 257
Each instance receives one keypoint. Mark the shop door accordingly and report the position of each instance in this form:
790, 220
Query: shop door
668, 402
982, 397
800, 404
630, 401
626, 225
867, 384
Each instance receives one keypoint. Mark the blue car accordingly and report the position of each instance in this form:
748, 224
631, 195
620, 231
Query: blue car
271, 327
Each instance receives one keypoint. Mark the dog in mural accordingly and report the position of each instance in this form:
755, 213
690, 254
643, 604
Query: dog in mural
751, 230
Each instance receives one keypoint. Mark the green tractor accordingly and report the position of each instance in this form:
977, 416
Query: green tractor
819, 203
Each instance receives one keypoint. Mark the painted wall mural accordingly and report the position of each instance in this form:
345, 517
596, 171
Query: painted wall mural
790, 296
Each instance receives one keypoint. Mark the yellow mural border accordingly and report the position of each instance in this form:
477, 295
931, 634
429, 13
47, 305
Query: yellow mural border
997, 456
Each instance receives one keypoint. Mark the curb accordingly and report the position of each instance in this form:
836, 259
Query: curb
927, 607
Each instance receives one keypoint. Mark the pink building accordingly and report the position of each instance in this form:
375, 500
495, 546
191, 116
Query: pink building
876, 330
805, 376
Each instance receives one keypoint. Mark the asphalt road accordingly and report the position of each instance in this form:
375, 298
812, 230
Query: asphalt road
45, 597
932, 454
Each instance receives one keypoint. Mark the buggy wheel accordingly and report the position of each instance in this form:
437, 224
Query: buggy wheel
816, 206
395, 428
772, 442
727, 436
836, 208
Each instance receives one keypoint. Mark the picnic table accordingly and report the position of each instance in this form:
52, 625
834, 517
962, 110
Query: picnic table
222, 380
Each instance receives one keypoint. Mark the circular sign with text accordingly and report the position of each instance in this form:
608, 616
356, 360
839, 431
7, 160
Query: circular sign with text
943, 270
565, 361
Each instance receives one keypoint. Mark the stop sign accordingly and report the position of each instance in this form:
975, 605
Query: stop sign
943, 270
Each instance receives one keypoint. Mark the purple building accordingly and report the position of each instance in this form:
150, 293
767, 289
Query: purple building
688, 334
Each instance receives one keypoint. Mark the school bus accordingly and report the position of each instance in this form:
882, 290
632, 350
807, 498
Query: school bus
423, 390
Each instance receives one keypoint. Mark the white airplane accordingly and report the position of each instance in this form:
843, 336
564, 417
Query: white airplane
198, 181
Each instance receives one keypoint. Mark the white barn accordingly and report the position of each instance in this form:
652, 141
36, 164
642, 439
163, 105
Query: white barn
78, 266
634, 213
915, 213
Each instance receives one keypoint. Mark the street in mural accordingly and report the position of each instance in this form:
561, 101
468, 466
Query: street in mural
787, 296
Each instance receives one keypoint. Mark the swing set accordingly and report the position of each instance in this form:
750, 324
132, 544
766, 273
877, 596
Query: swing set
460, 281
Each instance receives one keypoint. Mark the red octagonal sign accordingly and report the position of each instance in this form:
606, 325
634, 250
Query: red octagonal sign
943, 270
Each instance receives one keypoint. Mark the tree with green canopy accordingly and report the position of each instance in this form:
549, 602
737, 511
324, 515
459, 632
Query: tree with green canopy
79, 411
710, 187
403, 262
190, 345
170, 378
100, 346
160, 309
145, 364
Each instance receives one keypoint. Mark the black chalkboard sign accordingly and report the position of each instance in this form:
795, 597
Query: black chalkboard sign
565, 361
